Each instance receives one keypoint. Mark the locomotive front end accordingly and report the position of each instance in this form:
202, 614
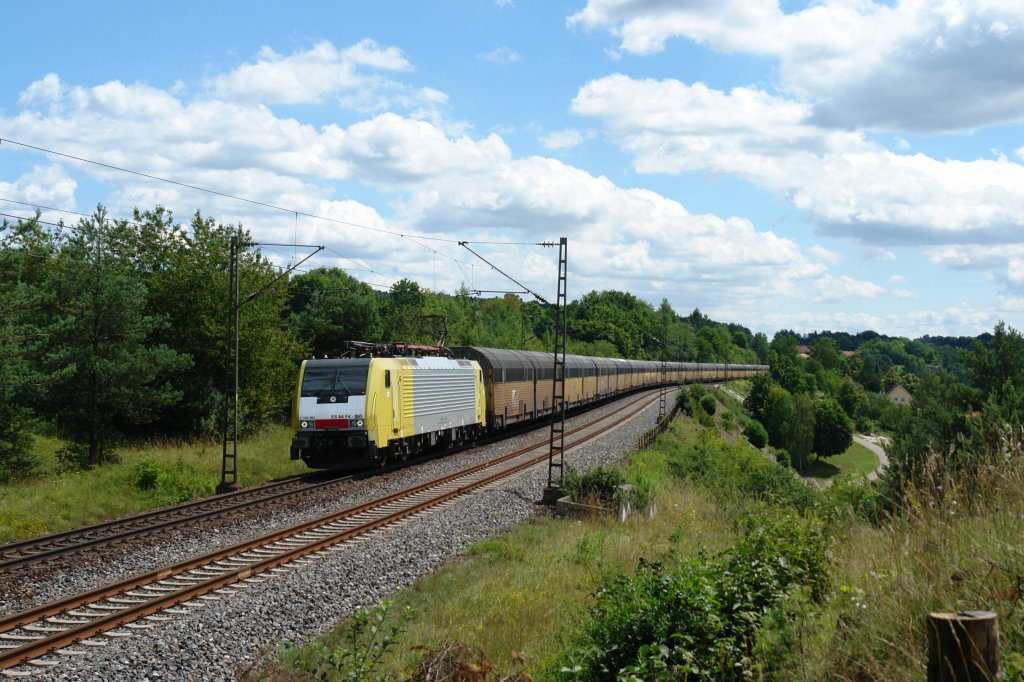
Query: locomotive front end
329, 414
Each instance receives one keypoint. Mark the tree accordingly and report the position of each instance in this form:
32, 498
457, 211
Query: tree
760, 346
997, 372
100, 373
826, 352
833, 430
185, 271
16, 455
800, 431
401, 312
328, 307
785, 369
760, 388
26, 252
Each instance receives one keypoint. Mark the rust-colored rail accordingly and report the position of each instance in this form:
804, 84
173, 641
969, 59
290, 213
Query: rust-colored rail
164, 588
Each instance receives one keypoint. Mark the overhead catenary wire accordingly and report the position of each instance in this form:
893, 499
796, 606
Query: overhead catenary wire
296, 213
108, 219
255, 202
506, 275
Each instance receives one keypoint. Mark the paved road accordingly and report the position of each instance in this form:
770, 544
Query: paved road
874, 444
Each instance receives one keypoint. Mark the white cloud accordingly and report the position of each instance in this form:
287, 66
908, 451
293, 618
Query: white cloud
46, 90
831, 288
323, 70
897, 279
824, 254
564, 139
435, 183
501, 55
955, 320
42, 186
914, 65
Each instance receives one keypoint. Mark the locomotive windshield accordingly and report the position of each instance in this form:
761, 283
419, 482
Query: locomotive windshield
348, 377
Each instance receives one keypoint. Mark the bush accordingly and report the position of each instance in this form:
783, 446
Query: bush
699, 619
732, 469
76, 457
847, 496
756, 434
145, 473
601, 483
693, 401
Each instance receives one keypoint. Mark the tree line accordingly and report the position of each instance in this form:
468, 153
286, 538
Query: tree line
967, 393
114, 330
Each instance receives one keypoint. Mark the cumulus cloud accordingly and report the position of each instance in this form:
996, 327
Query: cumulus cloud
436, 183
852, 186
831, 288
824, 254
352, 75
42, 186
912, 65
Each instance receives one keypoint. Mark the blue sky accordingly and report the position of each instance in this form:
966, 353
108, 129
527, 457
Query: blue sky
841, 165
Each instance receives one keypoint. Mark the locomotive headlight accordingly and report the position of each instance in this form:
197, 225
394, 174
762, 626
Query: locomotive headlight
359, 422
304, 424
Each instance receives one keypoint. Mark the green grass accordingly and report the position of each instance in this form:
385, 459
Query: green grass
857, 461
49, 501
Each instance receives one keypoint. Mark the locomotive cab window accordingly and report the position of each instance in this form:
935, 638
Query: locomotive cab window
387, 378
348, 378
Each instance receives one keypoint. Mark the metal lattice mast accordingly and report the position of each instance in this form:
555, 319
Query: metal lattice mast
557, 443
663, 379
229, 460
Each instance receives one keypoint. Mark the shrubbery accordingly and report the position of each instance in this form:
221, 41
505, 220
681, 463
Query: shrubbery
732, 470
604, 484
699, 618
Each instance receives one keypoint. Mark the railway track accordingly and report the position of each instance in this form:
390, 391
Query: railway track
48, 547
70, 626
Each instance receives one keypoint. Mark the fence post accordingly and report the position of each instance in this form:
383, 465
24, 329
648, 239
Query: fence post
963, 646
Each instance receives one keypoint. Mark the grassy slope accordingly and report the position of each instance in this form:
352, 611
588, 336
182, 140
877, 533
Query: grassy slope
51, 501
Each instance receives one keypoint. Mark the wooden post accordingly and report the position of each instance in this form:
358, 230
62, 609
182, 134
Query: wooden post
963, 646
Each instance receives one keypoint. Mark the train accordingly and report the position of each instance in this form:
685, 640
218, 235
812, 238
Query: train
394, 401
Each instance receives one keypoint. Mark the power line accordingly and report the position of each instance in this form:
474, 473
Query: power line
108, 219
247, 200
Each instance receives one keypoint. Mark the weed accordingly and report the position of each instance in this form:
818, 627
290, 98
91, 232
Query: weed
368, 635
144, 473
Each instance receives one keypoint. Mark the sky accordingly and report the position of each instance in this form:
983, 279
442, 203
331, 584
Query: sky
835, 165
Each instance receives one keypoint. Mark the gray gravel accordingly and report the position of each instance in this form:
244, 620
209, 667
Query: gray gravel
223, 638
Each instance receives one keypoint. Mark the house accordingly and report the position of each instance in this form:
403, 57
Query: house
899, 394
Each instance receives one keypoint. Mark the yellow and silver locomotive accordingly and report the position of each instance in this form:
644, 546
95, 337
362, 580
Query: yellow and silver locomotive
358, 412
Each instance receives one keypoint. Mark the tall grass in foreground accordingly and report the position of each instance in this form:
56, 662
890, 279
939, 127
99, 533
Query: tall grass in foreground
148, 476
957, 547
